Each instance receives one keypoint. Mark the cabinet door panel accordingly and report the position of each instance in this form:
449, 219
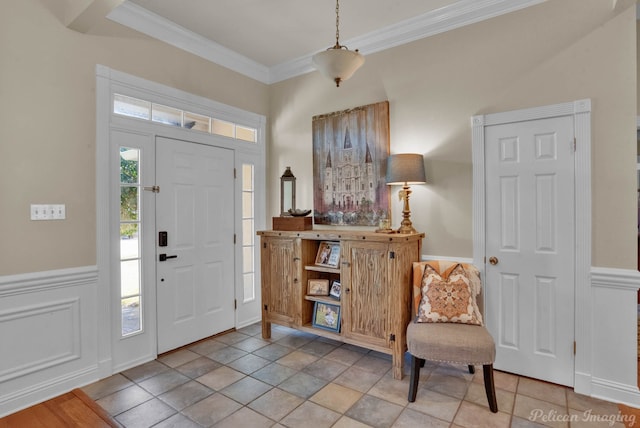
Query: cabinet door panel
279, 275
366, 298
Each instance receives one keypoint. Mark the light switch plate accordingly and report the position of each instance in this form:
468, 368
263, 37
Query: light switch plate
48, 212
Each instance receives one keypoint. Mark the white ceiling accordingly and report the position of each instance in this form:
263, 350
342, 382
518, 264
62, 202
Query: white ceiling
274, 40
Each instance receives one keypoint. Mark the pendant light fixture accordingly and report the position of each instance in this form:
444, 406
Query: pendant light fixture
338, 63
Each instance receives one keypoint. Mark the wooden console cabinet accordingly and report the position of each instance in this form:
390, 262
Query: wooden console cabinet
375, 277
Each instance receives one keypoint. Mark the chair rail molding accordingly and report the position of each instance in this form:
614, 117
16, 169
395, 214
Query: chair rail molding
428, 257
41, 281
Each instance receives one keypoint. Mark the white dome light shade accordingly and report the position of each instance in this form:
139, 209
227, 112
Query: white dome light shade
338, 64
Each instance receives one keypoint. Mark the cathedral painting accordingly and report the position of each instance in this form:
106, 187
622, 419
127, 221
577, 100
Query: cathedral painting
350, 150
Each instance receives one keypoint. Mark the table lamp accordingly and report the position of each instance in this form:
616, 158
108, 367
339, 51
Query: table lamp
404, 169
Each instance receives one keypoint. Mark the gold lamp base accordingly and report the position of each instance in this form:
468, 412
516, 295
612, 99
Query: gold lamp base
407, 229
406, 226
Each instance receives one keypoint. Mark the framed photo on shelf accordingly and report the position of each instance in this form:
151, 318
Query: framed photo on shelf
326, 316
328, 254
318, 287
335, 290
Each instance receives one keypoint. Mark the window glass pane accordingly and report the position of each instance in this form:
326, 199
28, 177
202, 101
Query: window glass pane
131, 319
246, 134
132, 107
247, 204
249, 286
247, 259
128, 203
223, 128
196, 122
247, 232
247, 177
166, 115
141, 109
129, 162
129, 248
130, 262
129, 278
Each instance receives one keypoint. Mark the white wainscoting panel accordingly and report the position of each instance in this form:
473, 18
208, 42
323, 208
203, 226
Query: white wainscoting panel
614, 320
56, 324
48, 330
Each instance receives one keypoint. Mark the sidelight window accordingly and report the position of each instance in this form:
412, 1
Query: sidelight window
248, 232
130, 239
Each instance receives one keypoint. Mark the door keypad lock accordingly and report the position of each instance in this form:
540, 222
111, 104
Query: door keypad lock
162, 239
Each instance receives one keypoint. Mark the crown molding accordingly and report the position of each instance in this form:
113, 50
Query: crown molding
456, 15
140, 19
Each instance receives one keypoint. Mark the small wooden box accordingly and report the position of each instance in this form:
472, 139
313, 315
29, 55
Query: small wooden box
292, 223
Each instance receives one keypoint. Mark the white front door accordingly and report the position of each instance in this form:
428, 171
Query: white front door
195, 207
530, 245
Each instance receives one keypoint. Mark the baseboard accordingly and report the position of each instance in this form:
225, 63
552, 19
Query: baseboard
134, 363
249, 322
582, 383
615, 392
34, 394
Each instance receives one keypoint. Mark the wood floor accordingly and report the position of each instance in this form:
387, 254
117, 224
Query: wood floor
70, 410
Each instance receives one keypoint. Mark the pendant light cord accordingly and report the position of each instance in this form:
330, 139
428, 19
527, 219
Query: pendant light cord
337, 46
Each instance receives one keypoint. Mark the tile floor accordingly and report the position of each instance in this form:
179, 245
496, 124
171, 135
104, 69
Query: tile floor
296, 379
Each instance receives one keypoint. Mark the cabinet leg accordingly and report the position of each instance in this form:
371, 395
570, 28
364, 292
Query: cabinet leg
266, 329
397, 364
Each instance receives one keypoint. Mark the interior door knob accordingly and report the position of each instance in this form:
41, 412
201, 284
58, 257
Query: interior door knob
493, 260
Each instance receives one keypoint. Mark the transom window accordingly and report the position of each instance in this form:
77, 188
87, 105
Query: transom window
146, 110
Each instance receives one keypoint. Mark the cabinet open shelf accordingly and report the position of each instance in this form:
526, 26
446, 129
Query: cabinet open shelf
313, 268
323, 299
309, 328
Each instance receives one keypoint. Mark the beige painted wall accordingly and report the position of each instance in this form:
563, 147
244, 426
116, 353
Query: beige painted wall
47, 124
555, 52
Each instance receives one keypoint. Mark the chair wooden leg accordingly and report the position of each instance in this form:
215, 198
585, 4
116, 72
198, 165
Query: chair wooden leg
472, 369
416, 363
489, 387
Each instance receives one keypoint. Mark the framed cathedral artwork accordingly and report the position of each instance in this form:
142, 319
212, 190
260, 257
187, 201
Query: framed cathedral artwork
350, 151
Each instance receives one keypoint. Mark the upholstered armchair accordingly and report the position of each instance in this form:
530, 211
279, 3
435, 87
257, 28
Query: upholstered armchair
447, 325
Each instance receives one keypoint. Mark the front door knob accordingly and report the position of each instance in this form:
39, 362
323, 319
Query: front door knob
493, 260
164, 257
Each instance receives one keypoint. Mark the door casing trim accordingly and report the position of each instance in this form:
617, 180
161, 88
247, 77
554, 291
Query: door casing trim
581, 112
108, 82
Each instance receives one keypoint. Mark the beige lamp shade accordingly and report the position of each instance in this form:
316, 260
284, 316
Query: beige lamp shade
405, 168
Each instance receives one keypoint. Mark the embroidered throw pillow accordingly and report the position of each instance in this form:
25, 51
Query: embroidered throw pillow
448, 298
